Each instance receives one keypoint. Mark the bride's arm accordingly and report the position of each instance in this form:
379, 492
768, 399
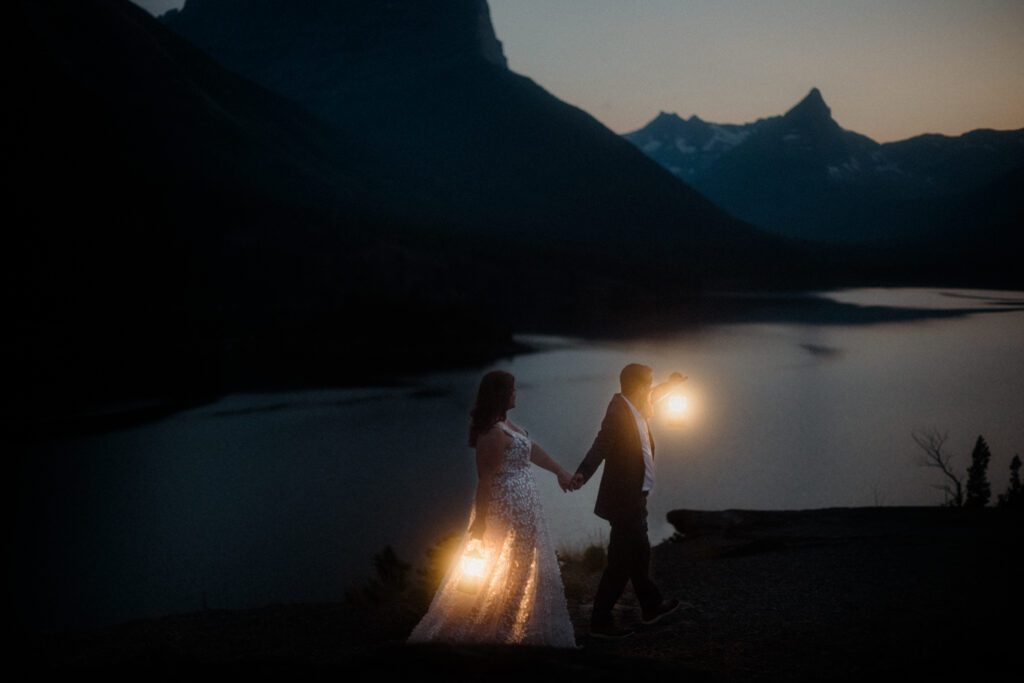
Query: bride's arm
488, 459
540, 458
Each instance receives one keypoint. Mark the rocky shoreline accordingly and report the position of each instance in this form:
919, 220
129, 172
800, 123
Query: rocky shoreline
832, 594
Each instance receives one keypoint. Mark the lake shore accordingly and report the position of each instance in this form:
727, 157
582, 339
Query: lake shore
64, 414
833, 594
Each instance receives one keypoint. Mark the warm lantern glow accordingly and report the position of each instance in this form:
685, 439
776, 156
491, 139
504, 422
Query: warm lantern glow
472, 566
677, 405
681, 408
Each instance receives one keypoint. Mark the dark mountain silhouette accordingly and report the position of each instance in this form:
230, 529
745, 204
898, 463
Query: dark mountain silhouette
425, 84
181, 229
689, 147
175, 228
801, 174
982, 227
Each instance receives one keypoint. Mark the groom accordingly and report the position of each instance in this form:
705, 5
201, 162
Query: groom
626, 446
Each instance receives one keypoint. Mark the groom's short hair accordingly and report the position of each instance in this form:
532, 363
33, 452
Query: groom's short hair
634, 375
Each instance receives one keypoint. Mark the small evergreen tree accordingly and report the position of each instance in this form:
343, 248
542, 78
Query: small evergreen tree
1013, 496
978, 490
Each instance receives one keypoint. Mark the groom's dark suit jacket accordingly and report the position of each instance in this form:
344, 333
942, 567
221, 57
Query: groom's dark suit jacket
618, 446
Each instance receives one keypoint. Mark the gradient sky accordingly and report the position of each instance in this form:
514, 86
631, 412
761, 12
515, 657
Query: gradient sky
889, 69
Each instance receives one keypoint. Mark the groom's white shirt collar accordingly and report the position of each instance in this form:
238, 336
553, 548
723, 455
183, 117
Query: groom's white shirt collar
645, 444
631, 406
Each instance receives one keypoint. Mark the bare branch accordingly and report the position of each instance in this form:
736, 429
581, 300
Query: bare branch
931, 443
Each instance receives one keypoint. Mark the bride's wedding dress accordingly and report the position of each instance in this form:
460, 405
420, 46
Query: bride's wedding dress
518, 597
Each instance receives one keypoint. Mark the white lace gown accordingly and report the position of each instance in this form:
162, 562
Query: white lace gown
520, 599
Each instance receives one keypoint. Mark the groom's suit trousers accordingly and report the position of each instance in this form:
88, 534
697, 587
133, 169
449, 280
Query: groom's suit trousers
629, 559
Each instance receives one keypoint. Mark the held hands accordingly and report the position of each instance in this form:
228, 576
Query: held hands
569, 482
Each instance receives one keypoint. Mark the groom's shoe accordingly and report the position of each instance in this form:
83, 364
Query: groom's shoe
660, 612
609, 631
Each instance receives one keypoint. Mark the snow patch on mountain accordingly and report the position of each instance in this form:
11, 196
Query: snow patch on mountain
723, 139
683, 147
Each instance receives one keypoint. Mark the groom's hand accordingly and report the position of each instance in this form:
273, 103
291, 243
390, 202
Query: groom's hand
576, 483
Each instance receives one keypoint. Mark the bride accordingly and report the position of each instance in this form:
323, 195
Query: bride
504, 585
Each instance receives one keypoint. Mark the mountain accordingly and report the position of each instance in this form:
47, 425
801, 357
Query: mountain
368, 189
179, 230
424, 83
689, 147
982, 227
802, 174
174, 228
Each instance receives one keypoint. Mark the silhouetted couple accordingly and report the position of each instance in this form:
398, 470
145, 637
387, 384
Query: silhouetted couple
504, 584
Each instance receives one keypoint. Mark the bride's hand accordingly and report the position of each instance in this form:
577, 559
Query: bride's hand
565, 480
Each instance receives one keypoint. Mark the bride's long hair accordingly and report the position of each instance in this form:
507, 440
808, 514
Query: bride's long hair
492, 401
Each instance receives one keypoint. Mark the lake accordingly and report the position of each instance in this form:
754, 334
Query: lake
803, 402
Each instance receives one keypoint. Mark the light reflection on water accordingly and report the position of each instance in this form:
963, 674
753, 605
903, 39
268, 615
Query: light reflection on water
285, 497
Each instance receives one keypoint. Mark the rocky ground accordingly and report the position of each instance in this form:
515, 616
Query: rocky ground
834, 594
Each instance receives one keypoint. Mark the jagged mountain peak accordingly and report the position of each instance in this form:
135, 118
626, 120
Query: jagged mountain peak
811, 107
421, 28
671, 117
664, 124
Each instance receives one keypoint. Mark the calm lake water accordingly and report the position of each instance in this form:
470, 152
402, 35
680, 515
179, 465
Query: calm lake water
285, 497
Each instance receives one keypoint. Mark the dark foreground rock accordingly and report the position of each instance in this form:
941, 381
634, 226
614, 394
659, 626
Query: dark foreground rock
832, 594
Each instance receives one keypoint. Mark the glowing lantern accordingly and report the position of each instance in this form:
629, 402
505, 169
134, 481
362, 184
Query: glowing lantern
472, 567
676, 407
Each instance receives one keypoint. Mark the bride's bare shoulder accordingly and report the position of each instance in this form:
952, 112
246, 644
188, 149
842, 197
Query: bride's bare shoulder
493, 433
513, 426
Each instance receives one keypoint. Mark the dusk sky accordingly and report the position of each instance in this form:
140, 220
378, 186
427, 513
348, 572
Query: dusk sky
889, 69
